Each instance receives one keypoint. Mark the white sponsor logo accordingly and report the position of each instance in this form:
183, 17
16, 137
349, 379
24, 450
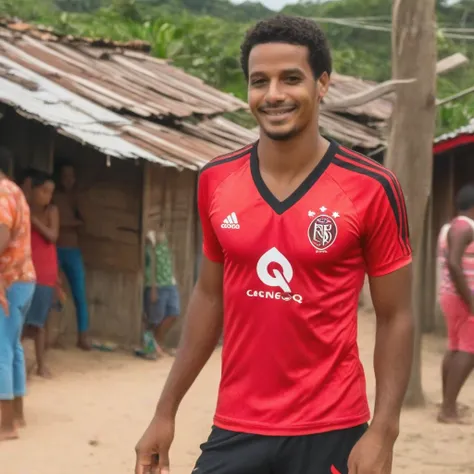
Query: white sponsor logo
231, 222
275, 277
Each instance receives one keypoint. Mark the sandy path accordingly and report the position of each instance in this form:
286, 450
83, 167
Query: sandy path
89, 417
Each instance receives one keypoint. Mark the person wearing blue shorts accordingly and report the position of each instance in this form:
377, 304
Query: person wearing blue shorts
161, 296
17, 283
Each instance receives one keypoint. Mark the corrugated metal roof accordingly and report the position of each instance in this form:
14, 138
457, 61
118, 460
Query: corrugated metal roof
117, 78
114, 78
350, 132
465, 130
343, 86
113, 96
71, 115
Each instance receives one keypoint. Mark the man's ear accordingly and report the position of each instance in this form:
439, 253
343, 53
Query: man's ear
323, 84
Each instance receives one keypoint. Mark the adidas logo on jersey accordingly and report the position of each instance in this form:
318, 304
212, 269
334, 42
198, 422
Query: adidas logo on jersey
231, 222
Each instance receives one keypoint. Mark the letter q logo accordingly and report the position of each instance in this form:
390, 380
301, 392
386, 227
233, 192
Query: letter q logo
276, 278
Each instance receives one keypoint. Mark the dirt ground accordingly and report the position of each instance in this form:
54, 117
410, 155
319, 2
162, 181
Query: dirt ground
89, 417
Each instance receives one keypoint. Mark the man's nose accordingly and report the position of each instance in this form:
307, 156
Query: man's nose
275, 93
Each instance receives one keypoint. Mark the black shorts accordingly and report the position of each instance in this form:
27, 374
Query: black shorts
228, 452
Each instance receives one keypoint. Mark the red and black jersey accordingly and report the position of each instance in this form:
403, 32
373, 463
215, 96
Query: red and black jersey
293, 271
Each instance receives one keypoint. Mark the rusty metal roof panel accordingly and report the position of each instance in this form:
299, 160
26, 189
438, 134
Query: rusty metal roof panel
192, 145
343, 86
117, 78
36, 97
350, 132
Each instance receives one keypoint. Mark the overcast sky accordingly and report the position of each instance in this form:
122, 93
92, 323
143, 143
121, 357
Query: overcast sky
279, 4
273, 4
276, 4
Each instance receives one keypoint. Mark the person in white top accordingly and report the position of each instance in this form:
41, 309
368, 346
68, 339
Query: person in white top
455, 292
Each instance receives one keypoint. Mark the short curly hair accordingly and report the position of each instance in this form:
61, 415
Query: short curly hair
290, 30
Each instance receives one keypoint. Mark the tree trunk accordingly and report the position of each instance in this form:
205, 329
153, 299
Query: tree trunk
410, 151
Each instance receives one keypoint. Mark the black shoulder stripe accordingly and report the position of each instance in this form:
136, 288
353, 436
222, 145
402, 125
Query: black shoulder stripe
371, 163
234, 156
381, 176
377, 166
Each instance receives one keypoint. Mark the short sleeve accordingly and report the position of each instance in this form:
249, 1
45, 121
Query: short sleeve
211, 246
459, 226
386, 241
7, 216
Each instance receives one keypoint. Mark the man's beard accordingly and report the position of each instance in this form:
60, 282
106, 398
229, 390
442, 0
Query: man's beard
282, 136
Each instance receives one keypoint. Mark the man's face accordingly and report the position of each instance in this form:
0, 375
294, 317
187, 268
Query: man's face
282, 92
68, 178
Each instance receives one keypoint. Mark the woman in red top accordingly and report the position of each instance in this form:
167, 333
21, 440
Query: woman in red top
44, 233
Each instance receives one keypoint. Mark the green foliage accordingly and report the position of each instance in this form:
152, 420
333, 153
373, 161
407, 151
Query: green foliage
29, 9
203, 36
78, 5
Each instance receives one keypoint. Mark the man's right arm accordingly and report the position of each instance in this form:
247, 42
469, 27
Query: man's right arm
203, 320
459, 237
201, 332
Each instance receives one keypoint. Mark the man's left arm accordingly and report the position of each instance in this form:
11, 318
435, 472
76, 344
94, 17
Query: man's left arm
388, 258
391, 297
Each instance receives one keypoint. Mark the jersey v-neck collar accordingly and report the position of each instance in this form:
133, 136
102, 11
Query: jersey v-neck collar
281, 206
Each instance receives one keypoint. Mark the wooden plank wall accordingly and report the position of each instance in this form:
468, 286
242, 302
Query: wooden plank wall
117, 202
442, 212
172, 201
110, 201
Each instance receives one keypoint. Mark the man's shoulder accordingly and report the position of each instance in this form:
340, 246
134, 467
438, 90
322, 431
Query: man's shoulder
460, 225
363, 178
221, 168
229, 162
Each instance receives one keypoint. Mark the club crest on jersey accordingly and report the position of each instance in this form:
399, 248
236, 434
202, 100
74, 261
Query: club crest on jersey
322, 230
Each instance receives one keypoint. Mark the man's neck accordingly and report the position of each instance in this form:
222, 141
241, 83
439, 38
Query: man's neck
293, 155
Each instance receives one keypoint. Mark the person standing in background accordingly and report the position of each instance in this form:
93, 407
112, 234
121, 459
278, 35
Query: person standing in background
44, 234
161, 298
69, 253
455, 293
17, 283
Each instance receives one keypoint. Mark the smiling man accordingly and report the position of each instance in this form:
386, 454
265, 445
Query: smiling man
291, 225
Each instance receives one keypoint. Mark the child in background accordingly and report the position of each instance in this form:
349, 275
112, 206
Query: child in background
151, 348
44, 233
161, 298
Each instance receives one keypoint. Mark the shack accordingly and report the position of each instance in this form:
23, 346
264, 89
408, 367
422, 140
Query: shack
137, 130
452, 169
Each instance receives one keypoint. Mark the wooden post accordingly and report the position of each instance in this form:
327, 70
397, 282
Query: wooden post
410, 153
429, 271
